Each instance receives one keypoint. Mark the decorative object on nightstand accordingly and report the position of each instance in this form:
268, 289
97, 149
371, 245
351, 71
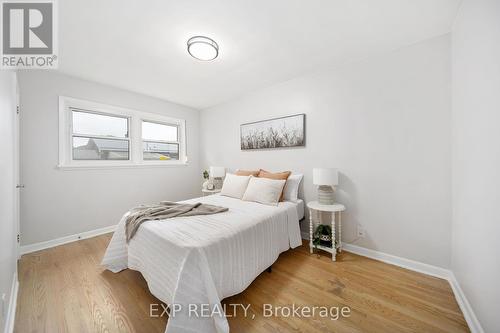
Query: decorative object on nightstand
206, 176
322, 236
335, 208
326, 179
216, 175
209, 192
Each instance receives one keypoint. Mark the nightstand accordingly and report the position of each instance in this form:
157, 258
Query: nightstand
334, 209
209, 192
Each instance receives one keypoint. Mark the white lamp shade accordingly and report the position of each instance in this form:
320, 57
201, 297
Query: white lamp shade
325, 176
217, 172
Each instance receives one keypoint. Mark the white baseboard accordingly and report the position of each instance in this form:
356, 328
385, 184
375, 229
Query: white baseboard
420, 267
469, 315
66, 239
463, 303
413, 265
11, 312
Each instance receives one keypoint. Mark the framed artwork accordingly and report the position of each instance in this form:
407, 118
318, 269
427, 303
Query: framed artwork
280, 132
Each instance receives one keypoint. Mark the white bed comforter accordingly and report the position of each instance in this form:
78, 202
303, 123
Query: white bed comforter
204, 259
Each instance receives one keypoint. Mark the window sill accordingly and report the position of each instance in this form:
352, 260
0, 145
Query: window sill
68, 167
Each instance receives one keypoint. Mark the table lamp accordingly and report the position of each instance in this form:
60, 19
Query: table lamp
326, 179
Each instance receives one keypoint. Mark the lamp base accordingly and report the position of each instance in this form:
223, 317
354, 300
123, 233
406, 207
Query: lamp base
325, 195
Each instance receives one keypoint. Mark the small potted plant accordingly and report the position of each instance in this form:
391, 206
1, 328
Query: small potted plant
322, 236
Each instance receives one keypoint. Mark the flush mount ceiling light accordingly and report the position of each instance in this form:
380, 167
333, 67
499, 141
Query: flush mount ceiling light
202, 48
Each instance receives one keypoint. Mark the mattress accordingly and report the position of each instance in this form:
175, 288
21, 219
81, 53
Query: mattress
300, 208
204, 259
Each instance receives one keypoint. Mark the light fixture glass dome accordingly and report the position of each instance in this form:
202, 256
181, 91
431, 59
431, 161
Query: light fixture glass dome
202, 48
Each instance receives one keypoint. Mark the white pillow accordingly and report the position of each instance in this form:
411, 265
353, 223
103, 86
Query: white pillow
234, 186
291, 190
264, 190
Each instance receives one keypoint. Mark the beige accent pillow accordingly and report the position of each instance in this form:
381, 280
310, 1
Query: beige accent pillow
264, 190
276, 175
254, 173
234, 186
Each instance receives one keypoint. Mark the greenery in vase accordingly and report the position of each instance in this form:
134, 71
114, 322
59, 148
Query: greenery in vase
322, 230
205, 174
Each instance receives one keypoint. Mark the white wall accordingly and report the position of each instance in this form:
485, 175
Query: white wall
385, 123
58, 203
476, 157
8, 225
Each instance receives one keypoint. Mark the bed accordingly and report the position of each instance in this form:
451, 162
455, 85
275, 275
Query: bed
204, 259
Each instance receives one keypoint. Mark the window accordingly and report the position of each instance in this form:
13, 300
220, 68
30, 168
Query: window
160, 141
98, 135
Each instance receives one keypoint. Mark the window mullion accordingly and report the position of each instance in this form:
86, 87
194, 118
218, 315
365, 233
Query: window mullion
160, 141
135, 140
99, 137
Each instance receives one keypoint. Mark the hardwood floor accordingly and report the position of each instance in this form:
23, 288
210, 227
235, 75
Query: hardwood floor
64, 289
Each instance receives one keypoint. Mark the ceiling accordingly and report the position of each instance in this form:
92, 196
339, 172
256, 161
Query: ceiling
141, 45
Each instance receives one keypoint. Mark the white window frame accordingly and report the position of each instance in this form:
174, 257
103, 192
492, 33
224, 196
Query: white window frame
135, 118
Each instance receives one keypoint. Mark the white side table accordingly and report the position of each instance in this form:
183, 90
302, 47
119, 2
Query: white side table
335, 208
209, 192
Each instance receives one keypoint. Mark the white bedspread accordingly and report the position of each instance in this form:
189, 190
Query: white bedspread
204, 259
